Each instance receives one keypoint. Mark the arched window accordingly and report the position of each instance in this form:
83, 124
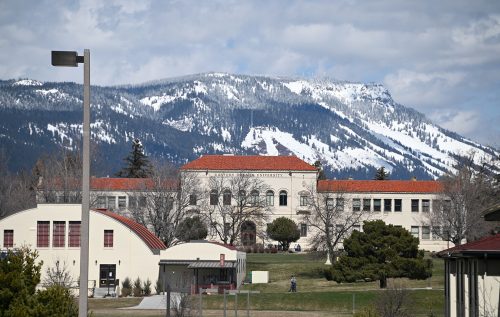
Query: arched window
226, 197
214, 198
270, 198
241, 197
283, 198
254, 199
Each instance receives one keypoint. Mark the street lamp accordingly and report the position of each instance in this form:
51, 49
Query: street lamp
71, 59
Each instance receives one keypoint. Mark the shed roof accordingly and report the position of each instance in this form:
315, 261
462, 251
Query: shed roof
147, 236
249, 163
488, 245
380, 186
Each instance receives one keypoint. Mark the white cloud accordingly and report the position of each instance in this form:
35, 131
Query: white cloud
462, 122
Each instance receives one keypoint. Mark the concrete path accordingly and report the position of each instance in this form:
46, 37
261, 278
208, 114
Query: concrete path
157, 302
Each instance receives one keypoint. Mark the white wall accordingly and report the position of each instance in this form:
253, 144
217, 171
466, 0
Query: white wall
133, 258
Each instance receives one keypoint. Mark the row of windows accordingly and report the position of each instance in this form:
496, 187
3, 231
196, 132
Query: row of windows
377, 204
254, 198
425, 233
120, 202
59, 235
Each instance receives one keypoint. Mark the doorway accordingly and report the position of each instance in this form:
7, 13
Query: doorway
107, 275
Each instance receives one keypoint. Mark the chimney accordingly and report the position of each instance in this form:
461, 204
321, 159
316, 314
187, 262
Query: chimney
414, 178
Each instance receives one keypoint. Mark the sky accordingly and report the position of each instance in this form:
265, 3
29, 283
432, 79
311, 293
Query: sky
441, 58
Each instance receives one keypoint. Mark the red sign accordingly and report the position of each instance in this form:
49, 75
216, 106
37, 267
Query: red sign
222, 259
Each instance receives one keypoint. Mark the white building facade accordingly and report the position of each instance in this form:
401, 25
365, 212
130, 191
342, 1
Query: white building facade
118, 246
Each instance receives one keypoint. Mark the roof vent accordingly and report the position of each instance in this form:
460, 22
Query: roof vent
414, 178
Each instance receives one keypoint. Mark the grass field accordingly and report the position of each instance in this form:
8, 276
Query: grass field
315, 293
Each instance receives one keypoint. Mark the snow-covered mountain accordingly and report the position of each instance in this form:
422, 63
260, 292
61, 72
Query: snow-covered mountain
352, 128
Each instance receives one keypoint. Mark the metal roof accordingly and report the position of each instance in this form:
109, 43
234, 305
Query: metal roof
211, 265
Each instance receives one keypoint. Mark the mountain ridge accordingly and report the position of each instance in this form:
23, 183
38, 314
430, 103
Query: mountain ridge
352, 128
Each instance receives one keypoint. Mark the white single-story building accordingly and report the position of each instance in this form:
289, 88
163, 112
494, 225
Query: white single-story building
202, 264
472, 278
118, 246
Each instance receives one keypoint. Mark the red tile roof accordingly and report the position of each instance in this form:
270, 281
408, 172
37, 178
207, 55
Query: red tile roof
489, 244
250, 162
385, 186
111, 184
124, 184
147, 236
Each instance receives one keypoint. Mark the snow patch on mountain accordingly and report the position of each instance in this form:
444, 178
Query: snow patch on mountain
184, 124
27, 82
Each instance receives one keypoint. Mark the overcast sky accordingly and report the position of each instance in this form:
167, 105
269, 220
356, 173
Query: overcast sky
439, 57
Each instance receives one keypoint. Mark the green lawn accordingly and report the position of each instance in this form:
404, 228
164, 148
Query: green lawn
315, 293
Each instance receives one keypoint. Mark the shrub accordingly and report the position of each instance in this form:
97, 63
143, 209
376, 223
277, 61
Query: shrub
137, 291
147, 287
56, 300
158, 287
126, 287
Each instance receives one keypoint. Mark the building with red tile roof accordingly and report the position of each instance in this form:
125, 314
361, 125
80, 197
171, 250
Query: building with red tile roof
118, 246
248, 163
377, 186
472, 278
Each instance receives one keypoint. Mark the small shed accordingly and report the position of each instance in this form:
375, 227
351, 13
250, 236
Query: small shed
190, 266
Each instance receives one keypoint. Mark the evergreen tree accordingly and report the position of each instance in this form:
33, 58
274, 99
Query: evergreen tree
138, 164
191, 229
284, 230
319, 167
381, 174
379, 252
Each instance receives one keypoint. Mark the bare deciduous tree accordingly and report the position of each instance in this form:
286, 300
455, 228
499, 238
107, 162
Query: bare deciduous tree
58, 275
331, 219
59, 177
16, 190
235, 202
165, 202
394, 302
456, 214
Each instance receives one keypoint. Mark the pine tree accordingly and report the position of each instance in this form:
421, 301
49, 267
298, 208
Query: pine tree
138, 164
381, 174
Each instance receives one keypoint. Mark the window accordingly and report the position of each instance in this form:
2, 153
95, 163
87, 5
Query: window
426, 205
339, 228
398, 205
367, 204
74, 234
226, 198
388, 205
426, 233
377, 204
303, 229
227, 228
8, 238
414, 205
340, 204
303, 200
101, 201
58, 234
270, 198
414, 231
42, 234
254, 198
214, 198
329, 203
122, 202
192, 200
283, 198
111, 202
356, 204
108, 238
142, 201
357, 228
169, 203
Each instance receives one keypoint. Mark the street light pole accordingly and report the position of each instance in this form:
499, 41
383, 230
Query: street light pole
71, 59
84, 249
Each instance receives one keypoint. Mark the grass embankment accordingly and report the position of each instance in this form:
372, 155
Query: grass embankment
315, 293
